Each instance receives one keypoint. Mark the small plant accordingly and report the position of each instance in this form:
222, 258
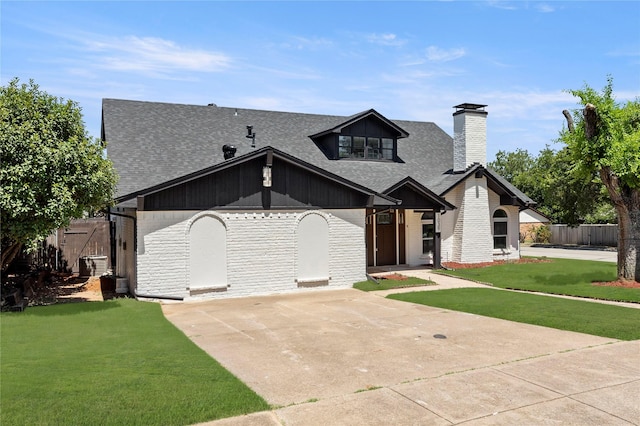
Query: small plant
542, 234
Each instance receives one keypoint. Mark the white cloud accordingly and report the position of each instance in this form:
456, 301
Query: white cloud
385, 39
154, 55
545, 8
499, 4
437, 54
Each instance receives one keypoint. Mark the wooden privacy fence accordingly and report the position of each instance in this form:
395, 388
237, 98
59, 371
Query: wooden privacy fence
587, 235
83, 247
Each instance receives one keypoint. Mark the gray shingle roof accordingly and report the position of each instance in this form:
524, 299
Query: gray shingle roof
152, 142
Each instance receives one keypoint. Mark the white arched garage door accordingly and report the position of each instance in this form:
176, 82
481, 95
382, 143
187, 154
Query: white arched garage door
313, 251
207, 253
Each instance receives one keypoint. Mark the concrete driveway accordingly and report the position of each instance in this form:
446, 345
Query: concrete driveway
345, 357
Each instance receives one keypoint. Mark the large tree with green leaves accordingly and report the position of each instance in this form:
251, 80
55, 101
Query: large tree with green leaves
51, 170
604, 138
563, 195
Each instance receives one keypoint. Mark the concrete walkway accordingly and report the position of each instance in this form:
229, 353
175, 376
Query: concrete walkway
345, 357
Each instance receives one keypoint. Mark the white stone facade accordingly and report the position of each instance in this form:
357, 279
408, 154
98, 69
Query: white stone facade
261, 252
467, 231
469, 139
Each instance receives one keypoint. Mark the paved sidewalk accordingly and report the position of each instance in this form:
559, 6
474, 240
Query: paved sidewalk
345, 357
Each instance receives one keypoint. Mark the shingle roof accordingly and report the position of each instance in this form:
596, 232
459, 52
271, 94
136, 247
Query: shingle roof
152, 142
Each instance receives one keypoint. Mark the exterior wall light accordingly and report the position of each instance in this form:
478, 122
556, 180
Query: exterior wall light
266, 177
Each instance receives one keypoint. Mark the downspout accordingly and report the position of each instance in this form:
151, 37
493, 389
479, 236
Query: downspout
135, 227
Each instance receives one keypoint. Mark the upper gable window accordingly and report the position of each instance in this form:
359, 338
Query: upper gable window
360, 147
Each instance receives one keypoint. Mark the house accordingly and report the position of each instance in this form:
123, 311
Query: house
227, 202
530, 220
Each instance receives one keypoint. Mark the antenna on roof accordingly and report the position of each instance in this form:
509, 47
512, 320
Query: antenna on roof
251, 135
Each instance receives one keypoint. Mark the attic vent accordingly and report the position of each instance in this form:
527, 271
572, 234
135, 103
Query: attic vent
229, 151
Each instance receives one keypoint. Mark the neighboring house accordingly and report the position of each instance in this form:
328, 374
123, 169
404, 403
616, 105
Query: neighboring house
530, 220
226, 202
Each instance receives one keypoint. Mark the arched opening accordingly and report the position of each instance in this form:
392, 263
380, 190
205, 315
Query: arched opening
207, 253
500, 222
313, 251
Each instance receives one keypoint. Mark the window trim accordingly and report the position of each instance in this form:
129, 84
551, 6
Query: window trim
428, 219
375, 152
500, 219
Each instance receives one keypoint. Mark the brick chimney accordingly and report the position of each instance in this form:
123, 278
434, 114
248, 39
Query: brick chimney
469, 136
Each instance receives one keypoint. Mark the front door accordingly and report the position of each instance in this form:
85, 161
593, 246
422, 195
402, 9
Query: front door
386, 238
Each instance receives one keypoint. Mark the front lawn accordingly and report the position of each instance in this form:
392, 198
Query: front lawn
387, 284
573, 315
557, 276
110, 363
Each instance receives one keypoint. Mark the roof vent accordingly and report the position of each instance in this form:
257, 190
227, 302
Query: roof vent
251, 135
229, 151
212, 104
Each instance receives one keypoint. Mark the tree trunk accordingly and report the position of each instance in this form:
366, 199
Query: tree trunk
9, 254
627, 204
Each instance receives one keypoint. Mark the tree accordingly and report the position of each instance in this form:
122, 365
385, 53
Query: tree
604, 138
561, 194
51, 170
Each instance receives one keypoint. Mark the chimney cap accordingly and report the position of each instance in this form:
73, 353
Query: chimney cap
473, 107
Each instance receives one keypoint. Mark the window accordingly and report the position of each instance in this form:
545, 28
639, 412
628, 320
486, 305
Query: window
373, 148
344, 146
428, 233
500, 229
384, 219
387, 149
365, 147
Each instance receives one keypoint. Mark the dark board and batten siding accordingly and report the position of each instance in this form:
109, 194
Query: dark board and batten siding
241, 187
412, 199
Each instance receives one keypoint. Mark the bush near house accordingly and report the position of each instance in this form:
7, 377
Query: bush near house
542, 234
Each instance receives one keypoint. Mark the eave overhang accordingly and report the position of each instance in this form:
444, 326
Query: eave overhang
374, 198
423, 191
400, 133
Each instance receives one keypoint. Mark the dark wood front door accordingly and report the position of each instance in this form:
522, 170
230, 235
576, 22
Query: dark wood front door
386, 238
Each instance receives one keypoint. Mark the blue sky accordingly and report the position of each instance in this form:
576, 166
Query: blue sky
408, 60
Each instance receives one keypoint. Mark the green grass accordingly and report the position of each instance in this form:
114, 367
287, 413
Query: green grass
559, 276
574, 315
110, 363
389, 284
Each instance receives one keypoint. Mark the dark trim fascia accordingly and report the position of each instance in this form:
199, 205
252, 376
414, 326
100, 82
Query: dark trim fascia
355, 118
421, 189
463, 175
265, 151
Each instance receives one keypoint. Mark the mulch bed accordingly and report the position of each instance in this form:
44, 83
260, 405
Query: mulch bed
396, 277
625, 284
456, 265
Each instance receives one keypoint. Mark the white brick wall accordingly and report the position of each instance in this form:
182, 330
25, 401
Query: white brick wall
466, 233
469, 140
261, 252
513, 229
